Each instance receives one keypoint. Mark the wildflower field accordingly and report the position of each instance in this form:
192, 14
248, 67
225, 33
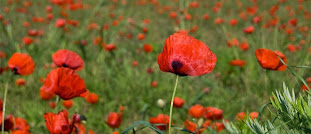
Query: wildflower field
155, 66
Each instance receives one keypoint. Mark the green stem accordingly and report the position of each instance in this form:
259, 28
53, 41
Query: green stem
56, 103
171, 108
4, 102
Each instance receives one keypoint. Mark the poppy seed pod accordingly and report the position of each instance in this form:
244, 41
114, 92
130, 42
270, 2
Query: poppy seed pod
184, 55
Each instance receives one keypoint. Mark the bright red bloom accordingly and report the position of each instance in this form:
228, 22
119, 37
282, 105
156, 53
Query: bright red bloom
249, 30
154, 84
8, 122
178, 102
27, 40
67, 58
160, 119
237, 62
45, 94
114, 120
184, 55
20, 82
291, 48
213, 113
52, 105
244, 46
269, 60
196, 111
59, 123
241, 116
148, 48
110, 47
21, 124
68, 104
92, 98
65, 83
218, 126
79, 128
253, 115
21, 64
141, 36
190, 126
60, 23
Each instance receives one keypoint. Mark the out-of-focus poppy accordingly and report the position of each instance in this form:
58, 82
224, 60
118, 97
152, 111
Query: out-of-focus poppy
114, 119
65, 83
178, 102
269, 59
218, 126
190, 126
21, 64
60, 23
45, 94
21, 124
148, 48
253, 115
141, 36
52, 104
154, 84
233, 22
2, 55
213, 113
20, 82
244, 46
67, 58
59, 123
249, 29
8, 122
241, 116
291, 48
184, 55
27, 40
110, 47
173, 15
79, 128
92, 98
160, 119
237, 62
135, 63
196, 111
68, 104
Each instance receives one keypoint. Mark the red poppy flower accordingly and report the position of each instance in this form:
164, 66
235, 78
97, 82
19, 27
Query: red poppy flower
237, 62
20, 82
160, 119
190, 126
244, 46
45, 94
269, 60
253, 115
184, 55
114, 120
27, 40
173, 15
8, 122
178, 102
141, 36
67, 58
92, 98
21, 64
154, 84
249, 30
79, 128
218, 126
196, 111
65, 83
68, 104
110, 47
52, 105
241, 116
59, 123
21, 124
60, 23
148, 48
213, 113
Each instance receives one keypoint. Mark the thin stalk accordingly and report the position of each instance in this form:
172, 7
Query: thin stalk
4, 103
56, 102
171, 108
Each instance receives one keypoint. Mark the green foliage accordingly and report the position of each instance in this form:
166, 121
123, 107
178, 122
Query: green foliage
292, 116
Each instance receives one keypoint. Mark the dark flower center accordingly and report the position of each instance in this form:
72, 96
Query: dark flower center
177, 65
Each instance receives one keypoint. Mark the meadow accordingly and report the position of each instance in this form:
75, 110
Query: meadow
119, 42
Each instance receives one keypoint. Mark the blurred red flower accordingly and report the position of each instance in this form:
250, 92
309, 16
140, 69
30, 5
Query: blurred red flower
160, 119
196, 111
178, 102
92, 98
213, 113
237, 62
21, 64
68, 104
269, 59
184, 55
59, 123
67, 58
114, 119
65, 83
